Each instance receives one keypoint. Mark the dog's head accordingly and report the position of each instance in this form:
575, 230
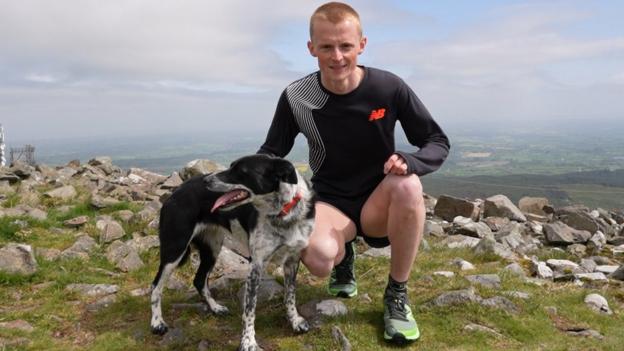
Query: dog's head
259, 178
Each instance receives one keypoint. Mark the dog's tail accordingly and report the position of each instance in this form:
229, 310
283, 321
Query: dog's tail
185, 257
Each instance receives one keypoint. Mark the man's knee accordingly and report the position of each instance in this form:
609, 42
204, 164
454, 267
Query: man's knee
407, 191
319, 256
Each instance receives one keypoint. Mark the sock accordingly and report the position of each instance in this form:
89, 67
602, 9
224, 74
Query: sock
396, 286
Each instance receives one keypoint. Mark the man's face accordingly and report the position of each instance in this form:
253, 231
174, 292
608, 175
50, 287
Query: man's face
336, 46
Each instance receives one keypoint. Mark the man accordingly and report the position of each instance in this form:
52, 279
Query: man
365, 187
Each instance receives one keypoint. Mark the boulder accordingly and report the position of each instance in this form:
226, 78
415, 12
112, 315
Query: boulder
501, 206
474, 229
109, 230
448, 207
578, 218
199, 167
18, 259
558, 233
172, 182
123, 256
63, 193
535, 205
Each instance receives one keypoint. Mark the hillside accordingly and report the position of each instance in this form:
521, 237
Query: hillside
79, 249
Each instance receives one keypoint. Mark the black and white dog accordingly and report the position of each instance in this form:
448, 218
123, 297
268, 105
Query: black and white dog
273, 204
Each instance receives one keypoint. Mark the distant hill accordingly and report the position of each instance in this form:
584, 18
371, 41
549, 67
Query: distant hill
600, 188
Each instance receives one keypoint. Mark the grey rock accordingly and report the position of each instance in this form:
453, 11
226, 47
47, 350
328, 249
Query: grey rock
578, 250
151, 177
472, 327
598, 304
448, 207
377, 252
459, 241
501, 206
199, 167
577, 218
110, 230
515, 269
18, 259
491, 281
462, 264
501, 303
606, 269
144, 243
445, 274
434, 229
84, 244
172, 182
125, 215
618, 274
331, 308
125, 257
490, 246
93, 290
339, 336
76, 221
541, 270
63, 193
590, 333
591, 277
19, 324
562, 266
558, 233
588, 265
535, 205
518, 294
456, 297
100, 202
101, 303
474, 229
597, 242
48, 254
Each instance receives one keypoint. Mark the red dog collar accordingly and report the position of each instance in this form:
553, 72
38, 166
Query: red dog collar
287, 207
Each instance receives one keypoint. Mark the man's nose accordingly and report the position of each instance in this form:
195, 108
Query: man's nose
336, 54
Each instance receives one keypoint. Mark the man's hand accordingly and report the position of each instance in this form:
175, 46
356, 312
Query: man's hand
395, 165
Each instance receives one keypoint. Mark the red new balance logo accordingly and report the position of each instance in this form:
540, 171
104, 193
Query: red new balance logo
377, 114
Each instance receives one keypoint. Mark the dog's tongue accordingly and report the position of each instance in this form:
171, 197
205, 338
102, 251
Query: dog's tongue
226, 198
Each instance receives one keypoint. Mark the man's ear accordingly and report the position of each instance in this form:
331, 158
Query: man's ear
311, 48
285, 171
363, 41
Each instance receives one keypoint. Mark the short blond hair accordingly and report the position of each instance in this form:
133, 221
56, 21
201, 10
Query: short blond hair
335, 12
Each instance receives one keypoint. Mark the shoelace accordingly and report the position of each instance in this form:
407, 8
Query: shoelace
396, 305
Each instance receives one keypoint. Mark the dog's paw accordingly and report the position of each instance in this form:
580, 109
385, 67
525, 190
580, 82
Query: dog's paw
300, 325
160, 329
220, 310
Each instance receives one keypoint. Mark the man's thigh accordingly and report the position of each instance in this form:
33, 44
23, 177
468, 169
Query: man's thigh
374, 215
330, 222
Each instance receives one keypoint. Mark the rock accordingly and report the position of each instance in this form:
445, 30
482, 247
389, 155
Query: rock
459, 241
109, 230
268, 289
63, 193
490, 246
501, 303
21, 169
597, 242
445, 274
578, 250
140, 292
618, 274
339, 336
125, 257
598, 304
172, 182
434, 229
125, 215
456, 297
37, 214
588, 265
474, 229
102, 303
76, 221
19, 324
558, 233
448, 207
92, 290
501, 206
515, 269
591, 277
18, 259
100, 202
606, 269
491, 281
518, 294
81, 248
541, 270
535, 205
377, 252
331, 308
585, 332
481, 328
199, 167
150, 177
462, 264
563, 266
144, 243
577, 218
104, 163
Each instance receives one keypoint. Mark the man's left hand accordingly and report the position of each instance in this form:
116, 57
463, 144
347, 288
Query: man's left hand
395, 165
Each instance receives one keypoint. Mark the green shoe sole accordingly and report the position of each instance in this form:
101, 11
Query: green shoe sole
342, 293
401, 339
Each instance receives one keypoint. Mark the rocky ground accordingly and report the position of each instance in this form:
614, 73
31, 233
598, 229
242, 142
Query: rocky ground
85, 236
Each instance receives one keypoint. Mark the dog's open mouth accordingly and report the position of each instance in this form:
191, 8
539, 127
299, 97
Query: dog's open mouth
230, 198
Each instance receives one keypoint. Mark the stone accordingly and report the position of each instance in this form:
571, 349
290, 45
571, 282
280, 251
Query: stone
150, 177
445, 274
144, 243
19, 324
76, 221
472, 327
535, 205
501, 303
339, 336
454, 298
591, 277
618, 274
199, 167
331, 308
125, 257
100, 202
588, 265
18, 259
598, 304
82, 247
501, 206
459, 241
578, 218
496, 223
448, 207
541, 270
462, 264
125, 215
48, 254
110, 230
515, 269
474, 229
597, 242
434, 229
490, 246
66, 192
172, 182
377, 252
562, 266
606, 269
559, 233
101, 303
93, 290
491, 281
518, 294
578, 250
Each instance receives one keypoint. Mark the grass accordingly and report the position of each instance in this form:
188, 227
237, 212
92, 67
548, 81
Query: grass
61, 322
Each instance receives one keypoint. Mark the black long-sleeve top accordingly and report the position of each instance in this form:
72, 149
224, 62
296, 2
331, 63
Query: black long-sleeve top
351, 136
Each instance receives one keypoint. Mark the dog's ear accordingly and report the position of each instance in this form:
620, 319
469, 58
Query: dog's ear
285, 171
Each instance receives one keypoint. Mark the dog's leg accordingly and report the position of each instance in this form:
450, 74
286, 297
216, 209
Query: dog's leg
298, 323
248, 340
208, 252
158, 324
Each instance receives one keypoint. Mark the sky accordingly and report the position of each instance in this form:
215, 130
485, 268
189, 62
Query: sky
92, 68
